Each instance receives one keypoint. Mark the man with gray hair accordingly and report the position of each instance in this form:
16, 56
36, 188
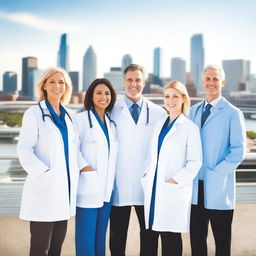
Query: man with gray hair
223, 145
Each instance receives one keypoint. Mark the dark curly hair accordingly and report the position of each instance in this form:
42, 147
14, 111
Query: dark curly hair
88, 99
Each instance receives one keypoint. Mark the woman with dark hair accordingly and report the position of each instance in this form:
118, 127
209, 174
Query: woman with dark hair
98, 146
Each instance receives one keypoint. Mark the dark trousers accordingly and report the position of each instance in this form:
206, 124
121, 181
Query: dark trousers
119, 221
221, 222
47, 237
171, 243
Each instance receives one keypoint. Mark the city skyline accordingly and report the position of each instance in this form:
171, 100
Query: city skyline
134, 28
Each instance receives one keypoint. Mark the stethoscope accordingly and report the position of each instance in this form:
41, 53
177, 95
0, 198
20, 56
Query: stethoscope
49, 115
202, 104
90, 119
147, 122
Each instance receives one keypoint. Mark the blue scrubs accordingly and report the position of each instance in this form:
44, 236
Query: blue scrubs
61, 124
92, 223
164, 131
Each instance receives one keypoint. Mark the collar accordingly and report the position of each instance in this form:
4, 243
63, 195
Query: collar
130, 103
214, 102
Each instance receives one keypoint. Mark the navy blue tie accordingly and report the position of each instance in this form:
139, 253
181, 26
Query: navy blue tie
135, 113
205, 114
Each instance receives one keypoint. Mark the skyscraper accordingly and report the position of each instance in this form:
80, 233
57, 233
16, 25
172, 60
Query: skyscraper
197, 60
157, 62
89, 67
33, 77
63, 53
178, 69
9, 82
29, 64
126, 60
74, 76
115, 76
237, 72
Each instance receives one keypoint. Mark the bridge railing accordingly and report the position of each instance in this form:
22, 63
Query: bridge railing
11, 170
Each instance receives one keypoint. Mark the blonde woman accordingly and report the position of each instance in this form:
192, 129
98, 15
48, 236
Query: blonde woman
174, 160
47, 150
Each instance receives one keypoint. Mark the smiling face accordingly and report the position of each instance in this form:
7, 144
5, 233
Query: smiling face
101, 97
55, 87
212, 83
134, 84
173, 101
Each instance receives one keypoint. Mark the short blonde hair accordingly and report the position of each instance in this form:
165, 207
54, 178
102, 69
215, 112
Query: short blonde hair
183, 90
41, 93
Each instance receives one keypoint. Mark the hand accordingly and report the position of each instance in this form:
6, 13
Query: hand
172, 181
87, 168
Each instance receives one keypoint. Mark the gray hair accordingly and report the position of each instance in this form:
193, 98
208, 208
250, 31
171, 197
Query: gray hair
134, 67
220, 70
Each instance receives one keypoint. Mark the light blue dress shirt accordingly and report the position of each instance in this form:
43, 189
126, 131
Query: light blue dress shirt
130, 103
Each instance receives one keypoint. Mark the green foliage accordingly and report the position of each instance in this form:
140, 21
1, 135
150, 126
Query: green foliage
11, 119
251, 134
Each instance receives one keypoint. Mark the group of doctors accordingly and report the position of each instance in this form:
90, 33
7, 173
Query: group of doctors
176, 166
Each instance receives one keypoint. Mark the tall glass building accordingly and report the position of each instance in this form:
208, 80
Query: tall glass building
197, 60
9, 82
178, 69
126, 60
29, 65
63, 53
157, 62
89, 67
237, 73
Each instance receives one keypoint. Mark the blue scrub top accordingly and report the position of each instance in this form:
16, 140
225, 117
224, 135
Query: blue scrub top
61, 124
103, 127
164, 131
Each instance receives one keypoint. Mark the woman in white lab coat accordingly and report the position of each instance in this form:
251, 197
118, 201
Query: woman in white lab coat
47, 150
174, 160
98, 146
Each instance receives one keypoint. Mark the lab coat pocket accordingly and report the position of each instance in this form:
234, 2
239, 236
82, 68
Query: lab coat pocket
45, 183
143, 182
174, 193
215, 186
88, 183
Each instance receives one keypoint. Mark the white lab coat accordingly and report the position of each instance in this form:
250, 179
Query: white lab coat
40, 148
133, 150
96, 187
180, 158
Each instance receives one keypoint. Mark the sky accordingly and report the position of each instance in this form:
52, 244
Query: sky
116, 28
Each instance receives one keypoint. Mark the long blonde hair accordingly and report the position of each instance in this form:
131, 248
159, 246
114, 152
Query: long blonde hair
183, 90
42, 94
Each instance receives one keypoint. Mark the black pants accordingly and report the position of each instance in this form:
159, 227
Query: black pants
119, 221
47, 237
171, 243
221, 222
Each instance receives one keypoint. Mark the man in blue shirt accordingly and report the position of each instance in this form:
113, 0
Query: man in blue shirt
223, 145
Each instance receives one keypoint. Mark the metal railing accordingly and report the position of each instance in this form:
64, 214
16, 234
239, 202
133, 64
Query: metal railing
246, 171
11, 183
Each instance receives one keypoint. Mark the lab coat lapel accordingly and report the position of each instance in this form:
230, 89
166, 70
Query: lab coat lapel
198, 114
111, 129
124, 110
96, 124
175, 126
143, 113
215, 111
48, 121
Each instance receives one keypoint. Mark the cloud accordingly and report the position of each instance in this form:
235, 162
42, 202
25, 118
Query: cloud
34, 21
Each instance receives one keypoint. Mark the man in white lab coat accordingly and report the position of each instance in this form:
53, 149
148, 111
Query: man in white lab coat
135, 117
